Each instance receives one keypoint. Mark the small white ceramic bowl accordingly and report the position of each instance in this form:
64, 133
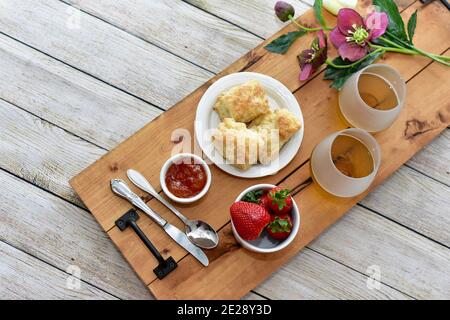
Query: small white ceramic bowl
265, 244
175, 158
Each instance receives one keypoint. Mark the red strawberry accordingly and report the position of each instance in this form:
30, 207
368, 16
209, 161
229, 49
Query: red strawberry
280, 227
280, 200
249, 219
265, 201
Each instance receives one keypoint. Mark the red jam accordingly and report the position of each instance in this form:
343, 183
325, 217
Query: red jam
185, 178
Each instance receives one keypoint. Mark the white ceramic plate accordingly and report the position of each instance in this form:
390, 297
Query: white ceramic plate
207, 119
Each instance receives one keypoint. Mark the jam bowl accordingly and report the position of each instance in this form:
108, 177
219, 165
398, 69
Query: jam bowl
185, 178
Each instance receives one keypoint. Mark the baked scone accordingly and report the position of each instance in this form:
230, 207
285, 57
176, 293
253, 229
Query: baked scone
276, 127
242, 103
238, 145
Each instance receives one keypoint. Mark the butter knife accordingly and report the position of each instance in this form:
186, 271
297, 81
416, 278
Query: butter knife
119, 187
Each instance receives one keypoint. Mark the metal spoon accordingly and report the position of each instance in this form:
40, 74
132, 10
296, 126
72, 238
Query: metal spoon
199, 232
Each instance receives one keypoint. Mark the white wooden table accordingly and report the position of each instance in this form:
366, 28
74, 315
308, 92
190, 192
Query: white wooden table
79, 76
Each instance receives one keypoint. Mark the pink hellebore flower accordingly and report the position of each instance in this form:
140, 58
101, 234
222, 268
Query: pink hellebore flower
311, 59
352, 33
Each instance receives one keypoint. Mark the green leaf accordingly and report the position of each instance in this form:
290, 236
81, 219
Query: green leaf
280, 225
396, 25
279, 198
339, 76
253, 196
318, 13
412, 26
281, 44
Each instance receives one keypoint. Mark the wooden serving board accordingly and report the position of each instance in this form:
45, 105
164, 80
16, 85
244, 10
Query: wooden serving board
233, 271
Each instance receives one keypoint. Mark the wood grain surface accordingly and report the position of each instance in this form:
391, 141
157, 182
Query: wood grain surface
319, 211
319, 110
59, 113
39, 280
100, 50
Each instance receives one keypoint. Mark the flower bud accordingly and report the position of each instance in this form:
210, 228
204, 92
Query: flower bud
334, 6
283, 10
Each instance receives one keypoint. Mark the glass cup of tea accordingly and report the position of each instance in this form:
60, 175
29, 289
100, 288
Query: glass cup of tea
345, 163
372, 98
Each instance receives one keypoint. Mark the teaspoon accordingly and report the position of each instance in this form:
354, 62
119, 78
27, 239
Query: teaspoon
199, 232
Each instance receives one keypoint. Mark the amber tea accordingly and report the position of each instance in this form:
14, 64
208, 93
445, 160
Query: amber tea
376, 92
351, 157
345, 163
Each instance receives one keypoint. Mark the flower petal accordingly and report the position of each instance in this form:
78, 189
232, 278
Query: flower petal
337, 37
352, 51
306, 72
320, 59
305, 56
347, 19
322, 39
376, 23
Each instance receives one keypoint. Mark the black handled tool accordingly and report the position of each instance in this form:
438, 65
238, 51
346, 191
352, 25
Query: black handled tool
165, 266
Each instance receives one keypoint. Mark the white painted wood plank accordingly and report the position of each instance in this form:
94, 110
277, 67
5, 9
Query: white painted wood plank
69, 98
62, 235
434, 158
407, 261
256, 16
25, 277
252, 296
41, 153
415, 201
308, 2
312, 276
101, 49
178, 27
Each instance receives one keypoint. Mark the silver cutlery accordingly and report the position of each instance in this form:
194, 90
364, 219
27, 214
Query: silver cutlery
120, 188
199, 232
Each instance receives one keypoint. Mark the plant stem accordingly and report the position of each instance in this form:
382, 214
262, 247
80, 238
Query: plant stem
345, 66
399, 50
433, 56
305, 28
392, 43
445, 58
438, 58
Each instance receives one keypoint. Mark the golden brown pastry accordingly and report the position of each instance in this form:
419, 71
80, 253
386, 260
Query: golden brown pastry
276, 127
237, 144
242, 103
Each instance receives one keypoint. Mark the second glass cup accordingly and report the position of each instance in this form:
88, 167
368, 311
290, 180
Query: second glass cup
346, 162
372, 98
